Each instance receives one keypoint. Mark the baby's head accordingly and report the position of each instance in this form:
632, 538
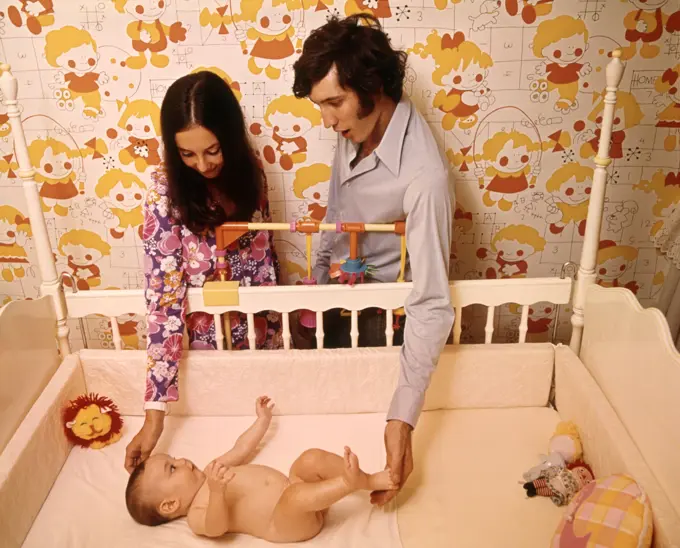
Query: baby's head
161, 489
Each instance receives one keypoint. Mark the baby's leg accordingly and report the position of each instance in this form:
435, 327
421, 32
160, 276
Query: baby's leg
316, 465
319, 479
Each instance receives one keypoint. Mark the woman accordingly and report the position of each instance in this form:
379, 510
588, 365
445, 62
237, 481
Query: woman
210, 176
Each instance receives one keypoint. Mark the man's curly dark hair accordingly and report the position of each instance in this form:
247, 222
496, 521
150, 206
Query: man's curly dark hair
362, 54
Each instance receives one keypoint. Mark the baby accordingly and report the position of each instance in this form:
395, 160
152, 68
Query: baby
233, 496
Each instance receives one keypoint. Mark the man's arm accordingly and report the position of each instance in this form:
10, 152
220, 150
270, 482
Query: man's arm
248, 441
323, 254
428, 204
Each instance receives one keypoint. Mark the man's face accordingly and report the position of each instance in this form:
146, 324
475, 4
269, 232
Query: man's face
341, 109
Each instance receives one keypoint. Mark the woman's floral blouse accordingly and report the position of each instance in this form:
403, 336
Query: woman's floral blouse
177, 259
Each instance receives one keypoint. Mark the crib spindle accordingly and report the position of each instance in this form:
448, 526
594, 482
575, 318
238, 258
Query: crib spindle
389, 329
457, 325
226, 319
286, 330
524, 323
252, 336
354, 331
219, 334
319, 329
488, 329
115, 332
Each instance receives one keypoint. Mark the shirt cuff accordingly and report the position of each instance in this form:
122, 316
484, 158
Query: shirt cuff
407, 403
156, 405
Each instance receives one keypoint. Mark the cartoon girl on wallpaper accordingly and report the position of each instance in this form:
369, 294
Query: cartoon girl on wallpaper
462, 68
512, 164
82, 249
311, 185
141, 121
668, 86
271, 25
287, 119
123, 193
569, 187
666, 186
235, 86
627, 114
511, 246
645, 24
147, 32
14, 233
75, 51
463, 223
562, 42
613, 261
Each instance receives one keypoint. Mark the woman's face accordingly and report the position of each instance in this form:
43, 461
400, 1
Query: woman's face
200, 150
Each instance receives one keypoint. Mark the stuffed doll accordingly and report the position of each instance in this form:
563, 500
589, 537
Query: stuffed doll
565, 447
560, 483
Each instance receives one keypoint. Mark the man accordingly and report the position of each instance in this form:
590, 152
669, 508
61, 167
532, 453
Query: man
387, 167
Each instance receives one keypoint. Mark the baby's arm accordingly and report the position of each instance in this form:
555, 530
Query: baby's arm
212, 520
247, 442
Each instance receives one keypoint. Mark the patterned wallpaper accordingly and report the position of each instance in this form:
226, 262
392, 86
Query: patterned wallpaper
512, 90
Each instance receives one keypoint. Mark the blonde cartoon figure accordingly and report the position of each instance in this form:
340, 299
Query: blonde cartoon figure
378, 8
56, 166
668, 100
6, 145
235, 86
14, 233
74, 51
141, 121
627, 114
35, 14
539, 321
613, 261
311, 185
130, 329
147, 32
666, 186
512, 163
529, 10
287, 119
644, 24
569, 187
511, 246
461, 69
82, 249
123, 193
271, 26
219, 18
561, 42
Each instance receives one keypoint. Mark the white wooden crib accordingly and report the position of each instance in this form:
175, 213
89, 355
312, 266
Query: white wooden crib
489, 412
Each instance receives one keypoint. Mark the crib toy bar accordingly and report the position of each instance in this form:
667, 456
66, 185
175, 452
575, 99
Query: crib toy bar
225, 296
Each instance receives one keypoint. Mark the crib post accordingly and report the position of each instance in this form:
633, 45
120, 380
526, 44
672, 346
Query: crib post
48, 271
586, 272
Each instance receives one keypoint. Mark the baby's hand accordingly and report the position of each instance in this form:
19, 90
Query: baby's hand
262, 407
218, 476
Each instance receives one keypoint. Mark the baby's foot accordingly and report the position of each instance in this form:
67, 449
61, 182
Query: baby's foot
381, 481
354, 477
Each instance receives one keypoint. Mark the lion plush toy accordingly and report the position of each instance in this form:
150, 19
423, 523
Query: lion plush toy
92, 421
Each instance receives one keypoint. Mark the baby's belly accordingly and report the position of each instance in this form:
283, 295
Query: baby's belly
252, 496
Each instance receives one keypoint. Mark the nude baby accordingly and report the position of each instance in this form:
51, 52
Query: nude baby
232, 496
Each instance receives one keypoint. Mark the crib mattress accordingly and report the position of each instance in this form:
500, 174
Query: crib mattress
464, 491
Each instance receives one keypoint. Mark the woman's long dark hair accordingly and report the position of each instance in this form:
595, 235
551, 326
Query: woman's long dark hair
204, 99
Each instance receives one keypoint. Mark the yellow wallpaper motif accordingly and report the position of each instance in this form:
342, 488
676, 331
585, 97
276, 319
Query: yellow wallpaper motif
513, 90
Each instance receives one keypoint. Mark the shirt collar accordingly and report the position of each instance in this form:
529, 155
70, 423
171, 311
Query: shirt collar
391, 145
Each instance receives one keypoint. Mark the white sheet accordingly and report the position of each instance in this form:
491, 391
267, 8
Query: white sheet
86, 507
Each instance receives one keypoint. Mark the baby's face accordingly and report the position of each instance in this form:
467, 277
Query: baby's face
166, 477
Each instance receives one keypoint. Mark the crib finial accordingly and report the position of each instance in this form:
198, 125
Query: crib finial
8, 83
614, 70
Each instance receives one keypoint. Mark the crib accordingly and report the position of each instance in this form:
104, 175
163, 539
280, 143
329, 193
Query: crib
488, 414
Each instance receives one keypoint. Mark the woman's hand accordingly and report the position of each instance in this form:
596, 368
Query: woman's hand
139, 449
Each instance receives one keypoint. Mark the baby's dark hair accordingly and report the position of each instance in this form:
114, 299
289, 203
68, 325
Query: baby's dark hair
141, 510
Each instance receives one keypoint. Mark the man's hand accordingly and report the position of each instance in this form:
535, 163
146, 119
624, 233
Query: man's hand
139, 449
399, 459
218, 476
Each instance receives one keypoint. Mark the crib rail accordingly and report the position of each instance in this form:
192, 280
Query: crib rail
287, 299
